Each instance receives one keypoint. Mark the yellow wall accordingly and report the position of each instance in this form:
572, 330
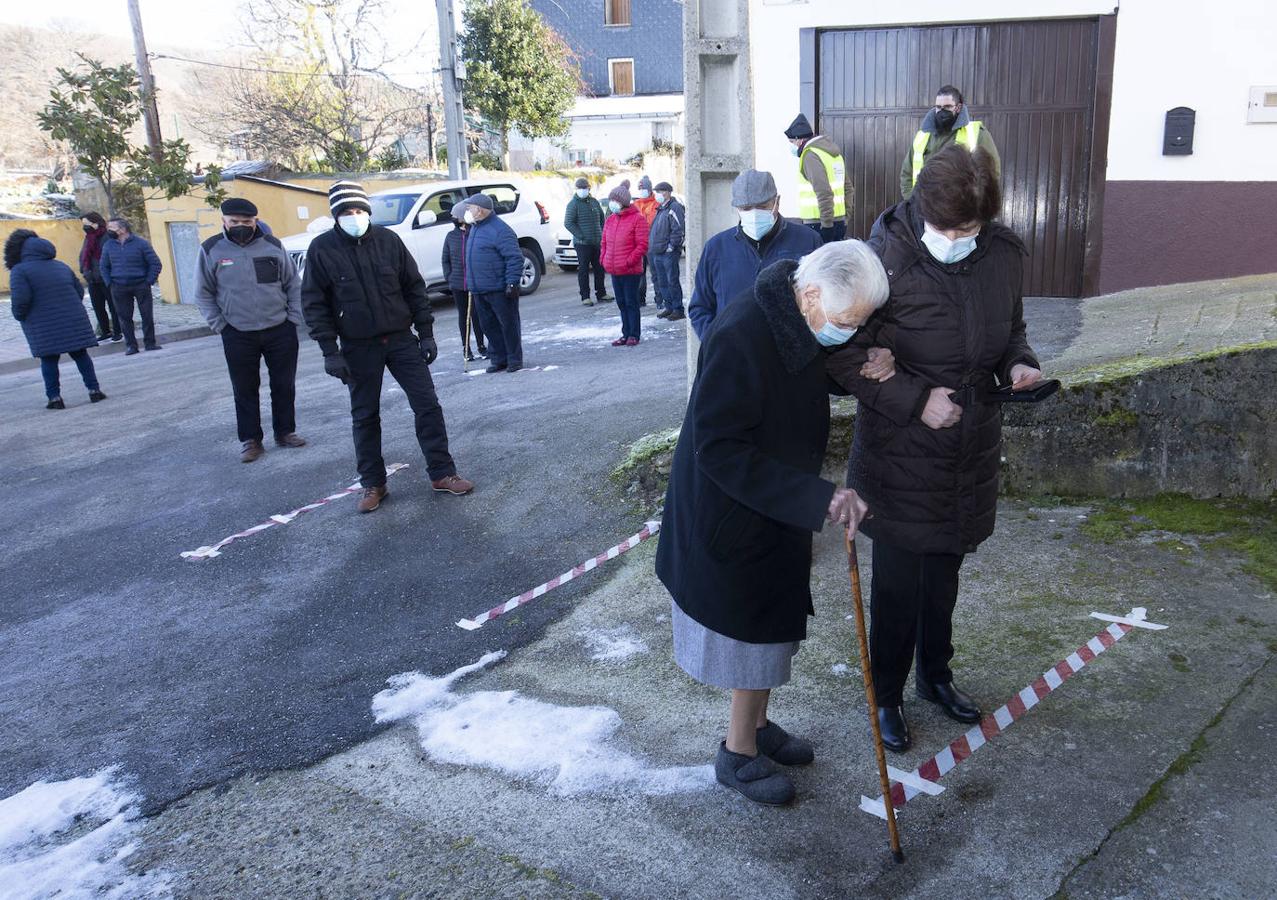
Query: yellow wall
277, 205
66, 234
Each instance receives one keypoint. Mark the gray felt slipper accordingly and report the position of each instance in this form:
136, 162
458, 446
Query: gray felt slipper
754, 776
783, 747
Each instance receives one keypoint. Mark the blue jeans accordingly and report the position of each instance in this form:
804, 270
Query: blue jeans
626, 288
53, 382
668, 287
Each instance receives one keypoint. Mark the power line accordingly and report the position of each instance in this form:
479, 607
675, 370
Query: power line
358, 73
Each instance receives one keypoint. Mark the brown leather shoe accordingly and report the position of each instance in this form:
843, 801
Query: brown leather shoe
251, 452
372, 498
290, 440
453, 484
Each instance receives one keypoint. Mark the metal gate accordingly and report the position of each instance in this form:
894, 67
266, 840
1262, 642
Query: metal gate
184, 239
1033, 84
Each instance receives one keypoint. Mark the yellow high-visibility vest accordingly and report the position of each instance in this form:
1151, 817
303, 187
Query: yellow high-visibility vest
967, 136
836, 170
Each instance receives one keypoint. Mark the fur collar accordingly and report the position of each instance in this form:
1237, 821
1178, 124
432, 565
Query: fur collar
774, 294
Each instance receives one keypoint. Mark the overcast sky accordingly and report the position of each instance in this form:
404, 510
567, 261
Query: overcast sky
169, 23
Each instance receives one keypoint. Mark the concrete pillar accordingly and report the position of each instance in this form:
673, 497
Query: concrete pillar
719, 95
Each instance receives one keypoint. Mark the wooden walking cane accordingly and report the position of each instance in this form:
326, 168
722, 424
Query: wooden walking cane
853, 566
465, 350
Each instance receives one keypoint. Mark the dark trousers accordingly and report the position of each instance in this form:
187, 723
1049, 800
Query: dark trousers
669, 290
840, 229
501, 324
468, 317
53, 381
626, 288
587, 260
911, 602
104, 309
123, 296
244, 353
401, 354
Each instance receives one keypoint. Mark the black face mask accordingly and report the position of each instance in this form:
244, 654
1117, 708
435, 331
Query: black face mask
89, 229
113, 235
241, 234
945, 119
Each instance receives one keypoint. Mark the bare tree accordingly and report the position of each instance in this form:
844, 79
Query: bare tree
314, 88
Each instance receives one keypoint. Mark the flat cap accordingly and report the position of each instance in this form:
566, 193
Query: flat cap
238, 206
753, 188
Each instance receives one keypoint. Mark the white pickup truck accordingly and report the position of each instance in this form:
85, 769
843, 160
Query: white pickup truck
420, 215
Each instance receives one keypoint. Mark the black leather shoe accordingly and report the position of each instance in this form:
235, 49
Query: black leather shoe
894, 728
955, 704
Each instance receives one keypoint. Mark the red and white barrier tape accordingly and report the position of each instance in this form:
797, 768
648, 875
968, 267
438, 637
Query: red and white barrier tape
922, 780
281, 519
649, 529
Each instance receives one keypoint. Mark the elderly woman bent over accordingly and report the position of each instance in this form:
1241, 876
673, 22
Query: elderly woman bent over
745, 495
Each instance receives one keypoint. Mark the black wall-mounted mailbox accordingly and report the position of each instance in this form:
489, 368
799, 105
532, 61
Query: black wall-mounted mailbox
1178, 139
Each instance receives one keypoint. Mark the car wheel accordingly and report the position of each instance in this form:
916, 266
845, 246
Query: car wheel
530, 280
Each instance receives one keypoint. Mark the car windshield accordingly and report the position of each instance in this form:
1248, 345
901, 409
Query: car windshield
391, 209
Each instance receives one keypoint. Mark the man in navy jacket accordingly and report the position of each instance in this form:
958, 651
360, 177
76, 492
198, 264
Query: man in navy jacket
494, 268
732, 259
130, 269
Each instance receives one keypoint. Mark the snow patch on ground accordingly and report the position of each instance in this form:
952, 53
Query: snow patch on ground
566, 748
840, 669
70, 839
613, 645
608, 329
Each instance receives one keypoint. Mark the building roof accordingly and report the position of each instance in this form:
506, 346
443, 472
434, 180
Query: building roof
650, 106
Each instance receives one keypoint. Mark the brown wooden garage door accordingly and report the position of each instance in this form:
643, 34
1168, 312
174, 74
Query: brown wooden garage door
1031, 83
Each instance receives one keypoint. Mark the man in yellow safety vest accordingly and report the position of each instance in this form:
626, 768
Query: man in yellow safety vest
949, 121
824, 183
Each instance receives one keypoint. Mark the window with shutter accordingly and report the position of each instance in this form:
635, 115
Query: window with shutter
616, 12
621, 75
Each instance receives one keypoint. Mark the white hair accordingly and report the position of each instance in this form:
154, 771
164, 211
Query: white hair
848, 273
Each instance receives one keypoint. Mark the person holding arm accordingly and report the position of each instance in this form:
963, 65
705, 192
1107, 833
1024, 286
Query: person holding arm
745, 495
927, 446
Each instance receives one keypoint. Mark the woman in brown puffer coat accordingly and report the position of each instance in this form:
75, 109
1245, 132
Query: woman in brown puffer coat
927, 464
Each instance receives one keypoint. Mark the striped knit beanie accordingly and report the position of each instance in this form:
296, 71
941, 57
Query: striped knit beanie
345, 196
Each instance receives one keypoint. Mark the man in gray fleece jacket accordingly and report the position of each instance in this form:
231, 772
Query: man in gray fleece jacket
250, 293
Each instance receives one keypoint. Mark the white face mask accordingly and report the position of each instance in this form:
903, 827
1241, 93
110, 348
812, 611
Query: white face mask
354, 224
944, 249
583, 192
469, 217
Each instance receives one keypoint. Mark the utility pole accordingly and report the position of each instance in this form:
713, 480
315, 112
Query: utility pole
150, 113
453, 73
430, 132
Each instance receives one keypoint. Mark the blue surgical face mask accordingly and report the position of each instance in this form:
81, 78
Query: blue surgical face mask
353, 225
793, 148
945, 250
583, 192
756, 222
642, 193
614, 206
830, 335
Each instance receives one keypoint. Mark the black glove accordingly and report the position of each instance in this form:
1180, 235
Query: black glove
828, 235
512, 292
429, 349
335, 365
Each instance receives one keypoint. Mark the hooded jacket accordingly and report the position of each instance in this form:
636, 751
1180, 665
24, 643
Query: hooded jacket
957, 326
48, 300
745, 492
941, 139
250, 287
624, 242
730, 262
362, 288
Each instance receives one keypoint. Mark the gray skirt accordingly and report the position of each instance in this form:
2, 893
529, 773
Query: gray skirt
719, 661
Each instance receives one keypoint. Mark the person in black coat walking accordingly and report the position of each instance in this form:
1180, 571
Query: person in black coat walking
362, 287
454, 272
48, 300
91, 268
745, 495
927, 445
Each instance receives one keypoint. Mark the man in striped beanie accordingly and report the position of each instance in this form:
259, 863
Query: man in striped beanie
362, 288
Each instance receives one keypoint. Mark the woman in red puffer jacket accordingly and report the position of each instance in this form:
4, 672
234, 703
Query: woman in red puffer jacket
622, 252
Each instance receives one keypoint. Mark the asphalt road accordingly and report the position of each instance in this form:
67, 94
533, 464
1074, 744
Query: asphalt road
115, 650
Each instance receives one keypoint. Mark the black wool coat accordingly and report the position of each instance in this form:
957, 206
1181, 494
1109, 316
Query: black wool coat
959, 325
745, 493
